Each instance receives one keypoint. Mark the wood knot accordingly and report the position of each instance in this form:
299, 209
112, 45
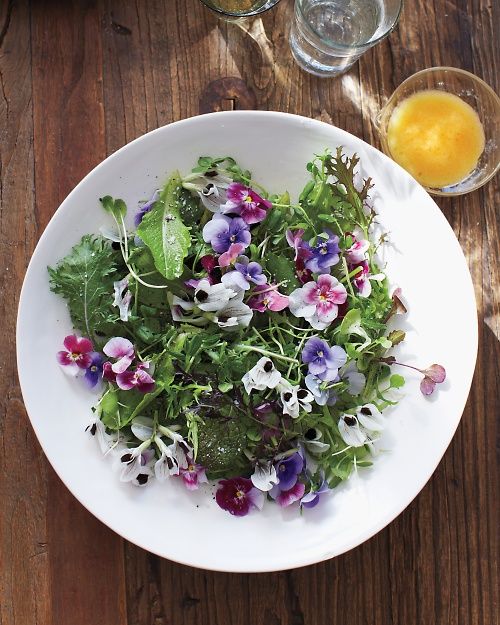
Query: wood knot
227, 94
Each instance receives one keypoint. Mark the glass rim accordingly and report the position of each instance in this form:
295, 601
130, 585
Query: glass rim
361, 46
431, 70
251, 13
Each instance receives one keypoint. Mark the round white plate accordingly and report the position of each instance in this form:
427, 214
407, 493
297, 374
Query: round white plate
425, 260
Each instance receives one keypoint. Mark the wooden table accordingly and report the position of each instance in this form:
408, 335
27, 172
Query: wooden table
78, 80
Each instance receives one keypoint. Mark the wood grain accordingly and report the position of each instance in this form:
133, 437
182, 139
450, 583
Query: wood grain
79, 79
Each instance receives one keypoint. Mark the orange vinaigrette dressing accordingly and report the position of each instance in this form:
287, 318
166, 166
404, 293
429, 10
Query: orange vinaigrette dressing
436, 136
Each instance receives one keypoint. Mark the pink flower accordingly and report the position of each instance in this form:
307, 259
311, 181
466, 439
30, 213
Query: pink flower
108, 373
303, 274
238, 495
77, 355
229, 257
294, 239
193, 475
356, 253
139, 379
266, 297
122, 350
246, 203
317, 302
285, 498
362, 279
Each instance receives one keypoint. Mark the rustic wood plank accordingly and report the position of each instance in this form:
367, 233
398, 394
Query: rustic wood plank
85, 558
24, 578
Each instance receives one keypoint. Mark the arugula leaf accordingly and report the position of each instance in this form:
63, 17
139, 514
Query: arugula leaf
85, 279
163, 231
281, 270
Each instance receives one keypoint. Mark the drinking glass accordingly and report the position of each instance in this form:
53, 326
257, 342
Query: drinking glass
239, 8
329, 36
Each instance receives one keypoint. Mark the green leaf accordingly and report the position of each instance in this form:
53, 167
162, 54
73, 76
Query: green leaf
117, 208
396, 337
397, 381
163, 231
281, 269
85, 279
117, 408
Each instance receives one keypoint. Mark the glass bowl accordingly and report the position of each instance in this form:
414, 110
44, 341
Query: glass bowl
230, 8
474, 92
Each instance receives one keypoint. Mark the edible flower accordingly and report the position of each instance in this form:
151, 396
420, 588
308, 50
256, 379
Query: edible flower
212, 297
323, 396
120, 300
77, 355
138, 379
294, 399
238, 495
94, 371
317, 302
311, 499
356, 431
244, 273
288, 470
362, 279
145, 208
246, 202
106, 441
266, 297
132, 461
229, 257
193, 475
311, 446
356, 253
323, 361
173, 457
324, 253
122, 350
294, 239
221, 231
286, 498
263, 375
264, 476
235, 314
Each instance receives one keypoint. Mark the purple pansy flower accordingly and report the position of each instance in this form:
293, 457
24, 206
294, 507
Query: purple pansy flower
324, 254
145, 208
122, 350
139, 379
317, 302
77, 356
221, 231
238, 495
285, 498
267, 297
323, 361
94, 370
322, 396
244, 273
193, 475
245, 202
229, 257
288, 471
311, 499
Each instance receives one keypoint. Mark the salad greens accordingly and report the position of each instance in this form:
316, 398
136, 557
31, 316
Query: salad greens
237, 336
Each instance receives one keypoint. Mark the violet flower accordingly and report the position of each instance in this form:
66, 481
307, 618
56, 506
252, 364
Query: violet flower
193, 475
138, 379
228, 258
324, 254
317, 302
94, 371
323, 361
288, 471
145, 208
286, 498
244, 273
245, 202
77, 356
238, 495
362, 280
122, 350
323, 396
311, 499
221, 231
266, 297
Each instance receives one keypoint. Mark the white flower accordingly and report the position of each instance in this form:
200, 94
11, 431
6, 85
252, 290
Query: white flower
235, 314
173, 457
263, 375
312, 446
131, 461
264, 477
294, 398
357, 430
122, 301
212, 297
107, 442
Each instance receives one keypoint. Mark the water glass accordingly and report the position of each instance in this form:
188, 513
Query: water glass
239, 8
329, 36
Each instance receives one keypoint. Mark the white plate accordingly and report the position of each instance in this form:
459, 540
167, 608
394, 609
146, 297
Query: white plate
426, 261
